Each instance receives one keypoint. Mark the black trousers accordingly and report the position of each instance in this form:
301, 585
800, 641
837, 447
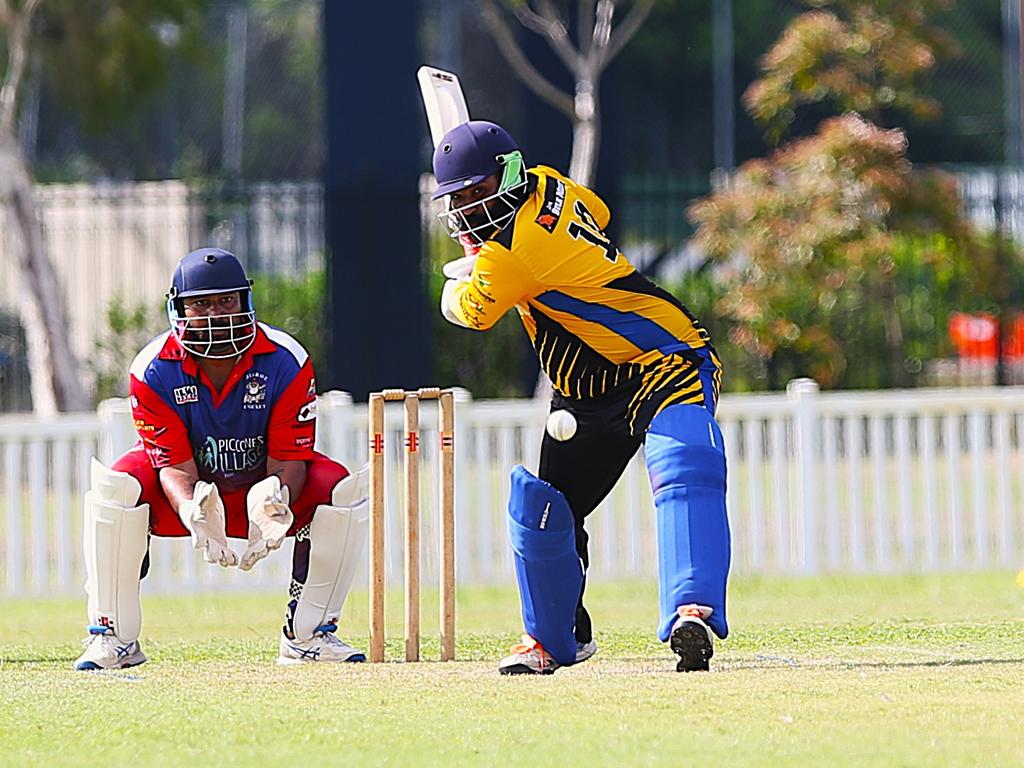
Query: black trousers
585, 468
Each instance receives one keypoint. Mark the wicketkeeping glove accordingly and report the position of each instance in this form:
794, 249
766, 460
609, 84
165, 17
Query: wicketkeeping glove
269, 519
203, 516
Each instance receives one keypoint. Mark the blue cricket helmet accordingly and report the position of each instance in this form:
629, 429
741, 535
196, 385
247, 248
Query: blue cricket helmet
205, 272
469, 153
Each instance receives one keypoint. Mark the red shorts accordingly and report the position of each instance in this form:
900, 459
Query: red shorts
322, 474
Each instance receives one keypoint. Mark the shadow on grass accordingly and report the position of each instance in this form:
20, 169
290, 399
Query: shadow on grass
923, 664
37, 660
779, 662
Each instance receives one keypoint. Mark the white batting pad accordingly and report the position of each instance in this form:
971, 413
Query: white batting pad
337, 538
115, 534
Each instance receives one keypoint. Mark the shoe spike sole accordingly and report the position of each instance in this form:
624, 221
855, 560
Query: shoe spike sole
693, 646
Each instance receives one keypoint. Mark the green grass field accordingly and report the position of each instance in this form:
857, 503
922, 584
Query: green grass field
922, 671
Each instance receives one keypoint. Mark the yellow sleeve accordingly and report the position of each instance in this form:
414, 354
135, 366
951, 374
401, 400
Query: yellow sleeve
499, 281
595, 205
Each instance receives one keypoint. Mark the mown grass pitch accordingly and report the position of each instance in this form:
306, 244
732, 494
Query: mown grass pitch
879, 671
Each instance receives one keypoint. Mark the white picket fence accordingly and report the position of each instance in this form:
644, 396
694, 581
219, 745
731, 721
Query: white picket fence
900, 481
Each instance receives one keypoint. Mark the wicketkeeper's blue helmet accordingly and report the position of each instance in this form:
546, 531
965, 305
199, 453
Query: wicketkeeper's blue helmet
205, 272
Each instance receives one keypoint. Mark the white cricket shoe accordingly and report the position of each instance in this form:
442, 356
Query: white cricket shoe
691, 639
528, 658
323, 646
105, 651
585, 650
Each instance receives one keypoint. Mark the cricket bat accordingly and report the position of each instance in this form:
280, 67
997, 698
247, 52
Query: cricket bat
443, 100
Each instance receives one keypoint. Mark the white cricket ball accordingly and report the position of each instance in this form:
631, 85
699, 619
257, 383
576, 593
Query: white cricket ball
561, 425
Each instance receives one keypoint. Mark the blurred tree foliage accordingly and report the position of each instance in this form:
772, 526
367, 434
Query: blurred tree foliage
129, 327
834, 257
841, 262
870, 57
122, 50
162, 116
102, 70
294, 303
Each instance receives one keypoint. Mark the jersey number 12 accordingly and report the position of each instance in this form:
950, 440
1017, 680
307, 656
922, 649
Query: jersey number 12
587, 228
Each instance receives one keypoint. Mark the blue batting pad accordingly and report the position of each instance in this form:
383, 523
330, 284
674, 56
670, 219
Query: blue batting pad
542, 532
686, 463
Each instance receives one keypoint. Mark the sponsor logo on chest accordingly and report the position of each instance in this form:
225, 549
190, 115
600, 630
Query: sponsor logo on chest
551, 209
226, 455
187, 394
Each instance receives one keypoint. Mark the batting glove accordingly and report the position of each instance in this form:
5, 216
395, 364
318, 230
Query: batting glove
459, 268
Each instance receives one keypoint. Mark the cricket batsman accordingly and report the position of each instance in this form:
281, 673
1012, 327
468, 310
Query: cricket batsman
225, 408
630, 365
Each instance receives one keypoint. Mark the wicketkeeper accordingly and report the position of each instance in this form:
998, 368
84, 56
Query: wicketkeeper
626, 359
225, 407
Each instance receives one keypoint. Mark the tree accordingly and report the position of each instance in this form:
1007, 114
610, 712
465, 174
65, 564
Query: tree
597, 43
862, 56
837, 258
115, 52
55, 382
835, 250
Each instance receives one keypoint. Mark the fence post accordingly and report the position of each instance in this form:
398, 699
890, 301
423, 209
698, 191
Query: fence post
803, 394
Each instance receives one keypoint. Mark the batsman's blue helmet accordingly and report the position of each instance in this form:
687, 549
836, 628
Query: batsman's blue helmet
469, 153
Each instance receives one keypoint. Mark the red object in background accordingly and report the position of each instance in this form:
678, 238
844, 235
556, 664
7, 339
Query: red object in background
976, 335
1013, 340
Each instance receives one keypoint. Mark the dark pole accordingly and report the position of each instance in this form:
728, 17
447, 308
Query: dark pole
1001, 378
724, 100
1012, 53
377, 318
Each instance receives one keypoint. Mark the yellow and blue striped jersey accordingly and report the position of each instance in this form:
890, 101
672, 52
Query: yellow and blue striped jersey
598, 326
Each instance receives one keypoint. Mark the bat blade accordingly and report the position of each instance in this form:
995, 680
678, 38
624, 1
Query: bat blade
443, 100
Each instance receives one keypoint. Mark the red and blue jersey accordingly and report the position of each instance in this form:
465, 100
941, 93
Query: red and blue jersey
267, 407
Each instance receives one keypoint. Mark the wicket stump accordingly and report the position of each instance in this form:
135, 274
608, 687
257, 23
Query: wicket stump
446, 462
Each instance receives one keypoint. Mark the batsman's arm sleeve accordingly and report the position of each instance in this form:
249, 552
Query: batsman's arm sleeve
498, 282
163, 433
292, 429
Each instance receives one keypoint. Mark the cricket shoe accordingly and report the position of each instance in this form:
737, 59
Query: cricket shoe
528, 658
691, 639
104, 651
324, 645
585, 650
